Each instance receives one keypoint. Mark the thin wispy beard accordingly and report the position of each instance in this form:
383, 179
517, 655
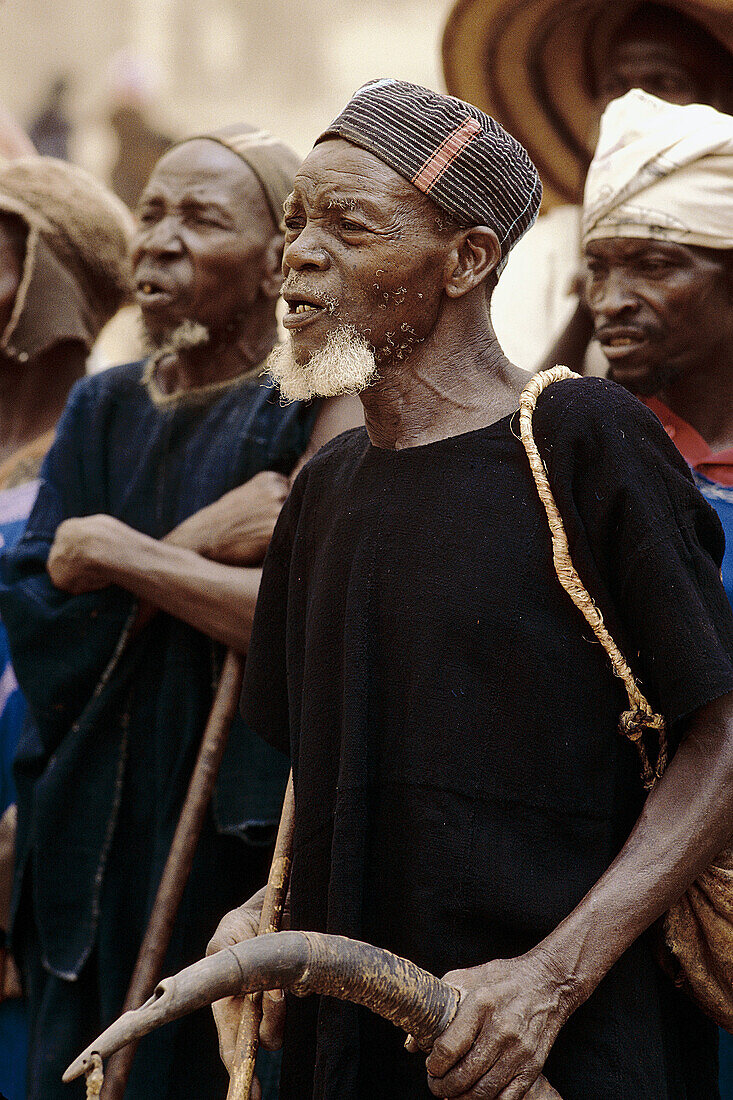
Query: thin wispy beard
184, 337
345, 364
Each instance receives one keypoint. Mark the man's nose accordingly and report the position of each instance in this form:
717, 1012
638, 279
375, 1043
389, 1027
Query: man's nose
306, 252
611, 295
161, 239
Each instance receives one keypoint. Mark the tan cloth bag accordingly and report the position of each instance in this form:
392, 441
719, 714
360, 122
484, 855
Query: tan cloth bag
697, 948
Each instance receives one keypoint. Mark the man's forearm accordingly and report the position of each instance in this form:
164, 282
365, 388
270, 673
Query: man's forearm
218, 600
686, 821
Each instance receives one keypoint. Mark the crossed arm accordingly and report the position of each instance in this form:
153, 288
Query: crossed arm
201, 571
206, 571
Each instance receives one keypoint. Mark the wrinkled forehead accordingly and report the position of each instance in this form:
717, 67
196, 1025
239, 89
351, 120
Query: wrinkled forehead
638, 56
630, 251
206, 171
336, 173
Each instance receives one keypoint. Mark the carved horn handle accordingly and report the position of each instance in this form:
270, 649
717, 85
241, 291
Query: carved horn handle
302, 962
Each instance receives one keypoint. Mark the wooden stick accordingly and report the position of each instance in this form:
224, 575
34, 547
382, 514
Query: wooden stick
178, 865
245, 1055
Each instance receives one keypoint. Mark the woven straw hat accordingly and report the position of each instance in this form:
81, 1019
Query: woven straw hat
525, 63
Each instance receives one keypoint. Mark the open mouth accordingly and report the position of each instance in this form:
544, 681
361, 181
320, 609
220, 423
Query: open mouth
152, 291
620, 342
617, 344
301, 312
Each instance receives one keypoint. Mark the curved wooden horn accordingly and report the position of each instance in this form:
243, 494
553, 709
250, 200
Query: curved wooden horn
303, 963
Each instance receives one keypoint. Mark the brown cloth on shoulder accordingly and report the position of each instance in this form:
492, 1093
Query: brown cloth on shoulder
75, 270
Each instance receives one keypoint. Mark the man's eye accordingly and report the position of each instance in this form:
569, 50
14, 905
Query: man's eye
655, 266
351, 226
208, 221
293, 224
670, 85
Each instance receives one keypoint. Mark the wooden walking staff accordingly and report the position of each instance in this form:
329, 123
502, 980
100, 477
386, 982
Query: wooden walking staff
178, 865
245, 1054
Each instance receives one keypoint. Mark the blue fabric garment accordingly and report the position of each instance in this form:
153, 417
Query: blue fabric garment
726, 1065
103, 765
721, 498
15, 507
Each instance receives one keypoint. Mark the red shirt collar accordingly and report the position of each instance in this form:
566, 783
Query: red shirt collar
716, 466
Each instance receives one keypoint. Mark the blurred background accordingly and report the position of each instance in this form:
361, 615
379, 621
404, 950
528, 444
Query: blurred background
110, 82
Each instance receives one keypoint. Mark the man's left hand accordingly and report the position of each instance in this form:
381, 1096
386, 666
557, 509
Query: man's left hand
82, 552
510, 1013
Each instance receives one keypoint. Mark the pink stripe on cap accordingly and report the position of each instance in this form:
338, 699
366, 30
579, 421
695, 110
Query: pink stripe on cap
445, 154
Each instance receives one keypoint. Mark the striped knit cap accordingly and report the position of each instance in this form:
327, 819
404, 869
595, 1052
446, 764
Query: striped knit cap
457, 155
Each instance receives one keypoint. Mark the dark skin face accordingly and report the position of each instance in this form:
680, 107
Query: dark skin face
660, 310
667, 69
363, 248
207, 247
668, 56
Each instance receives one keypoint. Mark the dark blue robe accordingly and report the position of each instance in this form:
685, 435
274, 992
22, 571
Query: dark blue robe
103, 766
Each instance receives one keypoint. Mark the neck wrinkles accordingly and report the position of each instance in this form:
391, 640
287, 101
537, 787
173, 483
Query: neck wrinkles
443, 388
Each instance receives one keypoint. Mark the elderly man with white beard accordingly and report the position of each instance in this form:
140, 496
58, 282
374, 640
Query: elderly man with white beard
140, 563
462, 795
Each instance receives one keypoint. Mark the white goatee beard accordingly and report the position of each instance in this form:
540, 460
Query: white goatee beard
345, 364
184, 337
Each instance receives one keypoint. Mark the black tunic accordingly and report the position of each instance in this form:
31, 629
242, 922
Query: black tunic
452, 723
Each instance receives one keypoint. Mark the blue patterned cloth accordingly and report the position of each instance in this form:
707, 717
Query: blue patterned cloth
721, 498
15, 507
106, 755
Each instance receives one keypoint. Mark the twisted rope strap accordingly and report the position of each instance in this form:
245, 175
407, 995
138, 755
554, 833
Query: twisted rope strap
640, 717
95, 1077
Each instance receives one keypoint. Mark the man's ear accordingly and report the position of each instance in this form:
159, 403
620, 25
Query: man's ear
272, 277
475, 253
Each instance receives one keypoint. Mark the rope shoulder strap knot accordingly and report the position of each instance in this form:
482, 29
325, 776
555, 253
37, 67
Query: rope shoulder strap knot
696, 941
640, 718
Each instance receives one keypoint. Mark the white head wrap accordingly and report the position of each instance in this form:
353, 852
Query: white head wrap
661, 171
